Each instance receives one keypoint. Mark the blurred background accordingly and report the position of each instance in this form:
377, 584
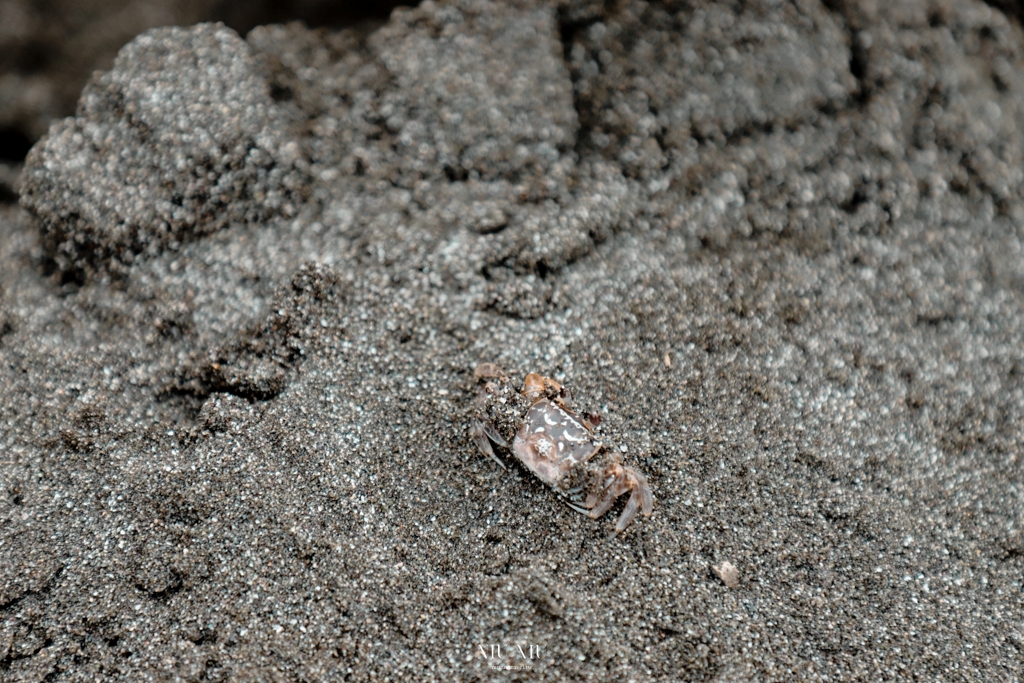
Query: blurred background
49, 48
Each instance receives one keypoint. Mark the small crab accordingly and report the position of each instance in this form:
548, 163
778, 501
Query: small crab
554, 443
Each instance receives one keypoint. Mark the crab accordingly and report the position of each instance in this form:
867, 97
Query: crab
554, 443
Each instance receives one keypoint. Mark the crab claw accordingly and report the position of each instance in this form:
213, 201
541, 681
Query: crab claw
618, 479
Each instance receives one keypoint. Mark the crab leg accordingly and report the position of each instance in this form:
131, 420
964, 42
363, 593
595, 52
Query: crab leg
629, 513
481, 433
607, 499
495, 436
577, 508
646, 497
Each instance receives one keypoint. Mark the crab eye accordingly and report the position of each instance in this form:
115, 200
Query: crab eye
533, 386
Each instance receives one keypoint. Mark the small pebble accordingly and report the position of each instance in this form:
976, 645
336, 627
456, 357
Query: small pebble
728, 573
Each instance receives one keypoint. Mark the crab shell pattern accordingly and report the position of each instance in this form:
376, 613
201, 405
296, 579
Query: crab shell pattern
554, 443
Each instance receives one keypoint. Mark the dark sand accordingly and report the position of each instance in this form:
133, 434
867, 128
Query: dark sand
777, 247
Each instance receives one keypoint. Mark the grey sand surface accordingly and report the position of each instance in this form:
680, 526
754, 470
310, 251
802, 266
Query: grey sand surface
775, 245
